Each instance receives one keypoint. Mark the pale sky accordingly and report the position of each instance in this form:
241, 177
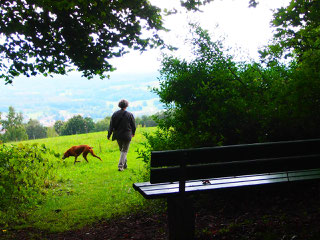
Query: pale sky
243, 27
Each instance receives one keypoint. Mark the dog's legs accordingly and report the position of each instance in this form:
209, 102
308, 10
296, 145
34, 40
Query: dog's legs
95, 155
75, 159
85, 156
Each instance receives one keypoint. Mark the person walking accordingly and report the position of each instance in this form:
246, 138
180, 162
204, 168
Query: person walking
123, 128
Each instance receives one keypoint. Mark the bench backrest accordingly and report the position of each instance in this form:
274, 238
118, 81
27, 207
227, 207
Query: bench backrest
233, 160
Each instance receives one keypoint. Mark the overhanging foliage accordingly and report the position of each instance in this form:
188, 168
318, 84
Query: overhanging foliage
53, 37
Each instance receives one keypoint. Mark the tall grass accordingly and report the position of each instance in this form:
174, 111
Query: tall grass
87, 192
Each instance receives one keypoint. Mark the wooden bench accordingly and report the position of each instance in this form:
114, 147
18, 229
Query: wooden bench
176, 174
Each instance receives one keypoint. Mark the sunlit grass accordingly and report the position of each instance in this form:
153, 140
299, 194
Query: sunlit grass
86, 192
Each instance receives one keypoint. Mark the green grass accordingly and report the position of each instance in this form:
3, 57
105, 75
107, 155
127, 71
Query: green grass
87, 192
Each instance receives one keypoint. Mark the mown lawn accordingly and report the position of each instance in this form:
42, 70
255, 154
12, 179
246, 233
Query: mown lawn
87, 192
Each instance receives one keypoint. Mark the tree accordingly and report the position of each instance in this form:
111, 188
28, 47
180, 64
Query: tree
45, 37
75, 125
212, 100
58, 126
205, 97
51, 132
49, 36
89, 124
102, 125
297, 38
13, 127
35, 130
146, 121
297, 32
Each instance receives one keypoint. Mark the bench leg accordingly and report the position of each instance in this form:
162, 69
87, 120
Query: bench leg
181, 218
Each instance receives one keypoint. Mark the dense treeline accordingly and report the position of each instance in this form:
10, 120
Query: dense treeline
214, 100
13, 128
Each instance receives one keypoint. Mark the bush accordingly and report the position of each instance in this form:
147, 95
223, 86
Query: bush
25, 172
156, 141
213, 100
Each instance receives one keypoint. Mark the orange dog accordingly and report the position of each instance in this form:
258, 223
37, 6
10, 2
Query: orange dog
77, 150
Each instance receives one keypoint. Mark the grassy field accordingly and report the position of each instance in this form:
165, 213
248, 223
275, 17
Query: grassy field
86, 192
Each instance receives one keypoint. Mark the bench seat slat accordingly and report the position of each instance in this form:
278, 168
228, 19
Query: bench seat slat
293, 174
304, 175
193, 183
170, 191
304, 178
304, 172
151, 191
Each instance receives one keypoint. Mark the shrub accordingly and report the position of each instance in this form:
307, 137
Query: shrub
25, 172
213, 100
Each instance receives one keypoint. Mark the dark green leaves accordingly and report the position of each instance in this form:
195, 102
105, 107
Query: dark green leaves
213, 100
46, 37
297, 31
26, 172
55, 36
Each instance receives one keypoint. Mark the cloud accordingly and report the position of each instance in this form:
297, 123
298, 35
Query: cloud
23, 93
120, 87
66, 93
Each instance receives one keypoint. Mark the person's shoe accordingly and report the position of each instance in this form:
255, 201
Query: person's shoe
120, 169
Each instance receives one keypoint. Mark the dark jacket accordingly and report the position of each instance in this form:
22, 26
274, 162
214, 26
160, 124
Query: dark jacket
125, 126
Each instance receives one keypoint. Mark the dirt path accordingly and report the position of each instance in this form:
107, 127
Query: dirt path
284, 213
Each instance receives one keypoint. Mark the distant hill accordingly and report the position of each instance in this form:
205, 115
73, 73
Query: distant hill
61, 97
